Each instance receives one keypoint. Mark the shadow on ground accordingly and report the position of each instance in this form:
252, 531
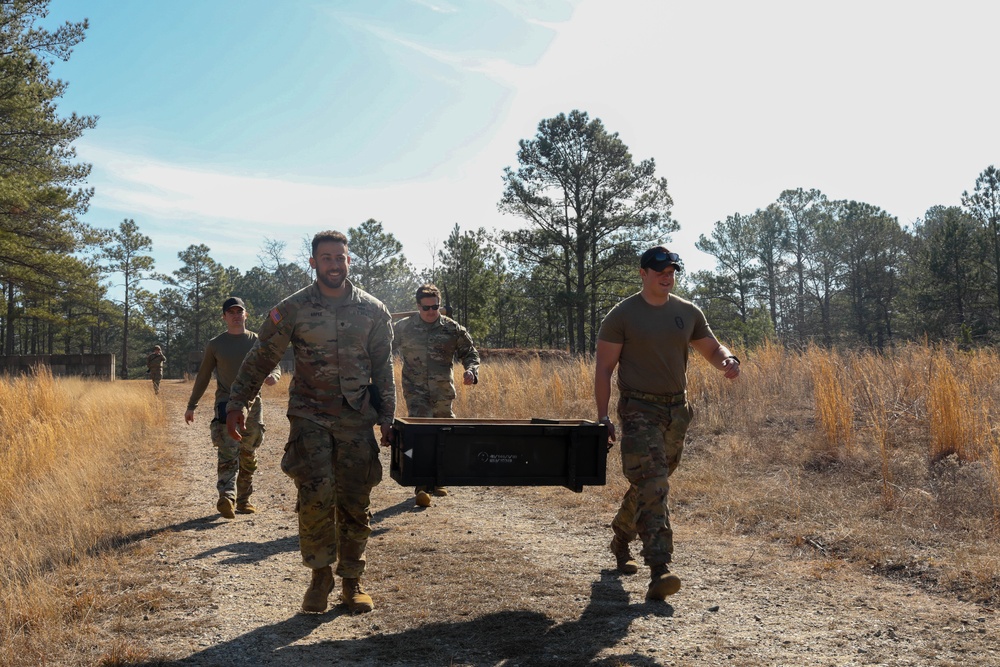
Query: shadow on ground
510, 637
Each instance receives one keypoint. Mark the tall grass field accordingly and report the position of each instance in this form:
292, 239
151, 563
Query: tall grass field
888, 461
75, 457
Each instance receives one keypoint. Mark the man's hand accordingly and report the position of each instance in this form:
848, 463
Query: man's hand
387, 434
731, 366
611, 431
270, 381
468, 378
236, 424
189, 416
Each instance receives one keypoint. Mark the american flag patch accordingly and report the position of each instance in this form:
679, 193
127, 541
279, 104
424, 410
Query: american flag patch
275, 315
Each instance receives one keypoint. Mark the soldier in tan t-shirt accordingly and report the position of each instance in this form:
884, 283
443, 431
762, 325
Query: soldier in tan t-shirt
646, 337
237, 460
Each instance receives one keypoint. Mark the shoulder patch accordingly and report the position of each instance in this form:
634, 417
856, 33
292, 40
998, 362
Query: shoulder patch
275, 315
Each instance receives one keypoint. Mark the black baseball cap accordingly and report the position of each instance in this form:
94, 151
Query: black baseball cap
659, 258
233, 301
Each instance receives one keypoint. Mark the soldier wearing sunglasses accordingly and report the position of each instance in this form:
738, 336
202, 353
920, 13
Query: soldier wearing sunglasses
429, 343
647, 336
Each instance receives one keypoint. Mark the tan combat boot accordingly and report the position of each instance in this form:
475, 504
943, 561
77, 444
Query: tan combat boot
439, 491
355, 597
315, 600
662, 583
245, 507
423, 499
623, 557
225, 507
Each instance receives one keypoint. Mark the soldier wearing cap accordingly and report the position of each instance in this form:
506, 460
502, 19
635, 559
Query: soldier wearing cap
237, 460
646, 336
154, 366
342, 386
429, 343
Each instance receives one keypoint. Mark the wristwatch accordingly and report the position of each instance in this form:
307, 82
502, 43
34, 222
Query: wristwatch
604, 420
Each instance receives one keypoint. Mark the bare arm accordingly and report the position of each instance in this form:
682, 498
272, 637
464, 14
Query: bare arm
607, 358
606, 361
718, 355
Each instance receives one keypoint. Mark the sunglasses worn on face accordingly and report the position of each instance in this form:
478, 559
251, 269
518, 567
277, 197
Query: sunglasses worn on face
434, 307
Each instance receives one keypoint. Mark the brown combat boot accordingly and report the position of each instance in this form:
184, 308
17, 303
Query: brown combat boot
355, 597
623, 557
225, 507
245, 507
662, 583
315, 600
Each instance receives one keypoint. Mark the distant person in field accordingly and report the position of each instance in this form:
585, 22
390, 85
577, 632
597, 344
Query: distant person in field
429, 343
343, 385
237, 460
646, 336
154, 366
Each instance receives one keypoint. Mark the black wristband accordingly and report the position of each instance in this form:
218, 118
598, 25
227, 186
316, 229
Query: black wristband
733, 356
604, 420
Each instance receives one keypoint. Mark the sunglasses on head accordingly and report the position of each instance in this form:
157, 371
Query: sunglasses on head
434, 307
661, 256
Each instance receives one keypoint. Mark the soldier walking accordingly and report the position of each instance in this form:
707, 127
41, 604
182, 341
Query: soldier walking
647, 337
342, 386
429, 343
154, 366
237, 460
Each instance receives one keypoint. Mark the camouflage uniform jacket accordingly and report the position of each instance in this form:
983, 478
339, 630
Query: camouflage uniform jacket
429, 352
356, 333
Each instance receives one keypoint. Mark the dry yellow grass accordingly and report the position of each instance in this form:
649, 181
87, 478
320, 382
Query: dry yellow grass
835, 452
888, 461
72, 453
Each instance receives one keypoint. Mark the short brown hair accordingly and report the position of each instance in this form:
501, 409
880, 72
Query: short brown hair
328, 235
427, 291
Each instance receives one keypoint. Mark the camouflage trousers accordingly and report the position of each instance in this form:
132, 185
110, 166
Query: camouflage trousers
238, 460
652, 439
156, 376
334, 470
424, 406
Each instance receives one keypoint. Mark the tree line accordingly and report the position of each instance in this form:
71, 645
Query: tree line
801, 270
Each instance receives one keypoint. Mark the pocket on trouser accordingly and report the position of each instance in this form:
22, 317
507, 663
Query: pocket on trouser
674, 433
252, 438
294, 462
218, 431
255, 412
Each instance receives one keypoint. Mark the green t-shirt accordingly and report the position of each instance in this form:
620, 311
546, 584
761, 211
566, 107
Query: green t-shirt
654, 342
223, 356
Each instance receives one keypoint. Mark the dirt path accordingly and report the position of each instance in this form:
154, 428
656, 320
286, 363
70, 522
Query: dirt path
518, 576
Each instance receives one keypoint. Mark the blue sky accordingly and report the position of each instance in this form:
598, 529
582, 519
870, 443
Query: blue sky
226, 122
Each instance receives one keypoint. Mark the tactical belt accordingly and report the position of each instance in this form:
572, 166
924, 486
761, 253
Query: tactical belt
661, 399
